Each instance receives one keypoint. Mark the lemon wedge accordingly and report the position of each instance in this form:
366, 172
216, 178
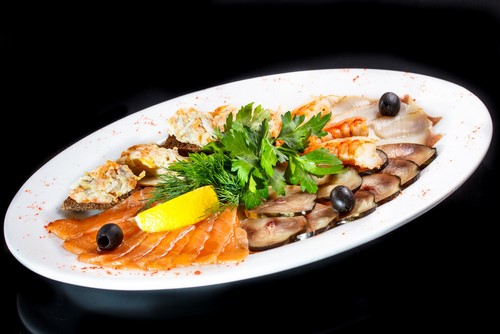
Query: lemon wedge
187, 209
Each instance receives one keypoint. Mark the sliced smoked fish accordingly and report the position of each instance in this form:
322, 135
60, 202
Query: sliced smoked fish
104, 258
195, 244
165, 262
86, 243
71, 227
164, 247
217, 239
127, 260
222, 231
82, 244
236, 250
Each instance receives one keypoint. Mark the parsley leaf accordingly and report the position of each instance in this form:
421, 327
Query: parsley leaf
295, 133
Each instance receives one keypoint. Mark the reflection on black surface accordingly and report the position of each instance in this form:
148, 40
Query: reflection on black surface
46, 311
285, 302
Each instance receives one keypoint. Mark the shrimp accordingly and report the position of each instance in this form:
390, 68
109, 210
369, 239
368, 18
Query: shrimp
356, 151
354, 126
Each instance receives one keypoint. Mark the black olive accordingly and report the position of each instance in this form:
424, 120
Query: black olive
389, 104
109, 236
342, 199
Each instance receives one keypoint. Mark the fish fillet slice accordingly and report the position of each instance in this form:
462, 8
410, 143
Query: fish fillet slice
87, 243
236, 250
104, 258
164, 247
71, 228
196, 243
127, 261
222, 231
165, 262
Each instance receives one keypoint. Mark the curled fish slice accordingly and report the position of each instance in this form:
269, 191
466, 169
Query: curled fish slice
355, 106
411, 125
320, 104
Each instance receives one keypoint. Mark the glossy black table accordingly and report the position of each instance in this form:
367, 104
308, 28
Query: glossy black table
436, 272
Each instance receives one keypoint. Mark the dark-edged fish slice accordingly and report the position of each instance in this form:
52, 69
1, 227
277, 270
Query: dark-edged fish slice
350, 178
385, 187
383, 157
365, 205
266, 233
407, 170
321, 218
288, 206
421, 154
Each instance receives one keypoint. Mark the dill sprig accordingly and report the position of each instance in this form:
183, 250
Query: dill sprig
199, 170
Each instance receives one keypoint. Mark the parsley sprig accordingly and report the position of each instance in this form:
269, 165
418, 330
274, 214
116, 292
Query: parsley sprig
244, 160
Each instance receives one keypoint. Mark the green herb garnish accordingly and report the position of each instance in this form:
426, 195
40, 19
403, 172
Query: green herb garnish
242, 162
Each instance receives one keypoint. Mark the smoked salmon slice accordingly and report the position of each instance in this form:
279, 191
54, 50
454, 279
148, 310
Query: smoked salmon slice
215, 240
165, 262
87, 242
127, 261
220, 235
105, 258
195, 244
165, 247
67, 228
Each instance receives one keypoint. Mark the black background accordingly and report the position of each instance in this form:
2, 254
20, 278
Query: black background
65, 72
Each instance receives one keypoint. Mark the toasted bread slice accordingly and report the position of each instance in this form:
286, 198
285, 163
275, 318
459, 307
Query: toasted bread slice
70, 204
183, 148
